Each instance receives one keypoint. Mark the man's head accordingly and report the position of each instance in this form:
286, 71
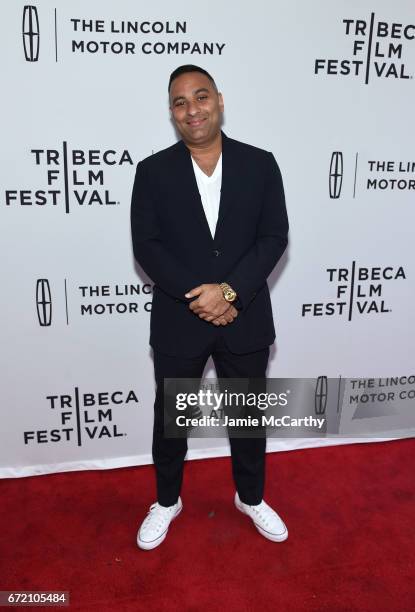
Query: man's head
195, 104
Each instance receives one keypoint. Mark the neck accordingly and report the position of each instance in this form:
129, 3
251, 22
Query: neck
211, 148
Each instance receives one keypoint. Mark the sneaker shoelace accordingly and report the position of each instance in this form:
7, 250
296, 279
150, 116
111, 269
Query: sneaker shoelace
265, 512
159, 513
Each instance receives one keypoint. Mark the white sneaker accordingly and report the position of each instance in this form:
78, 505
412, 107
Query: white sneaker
265, 519
155, 526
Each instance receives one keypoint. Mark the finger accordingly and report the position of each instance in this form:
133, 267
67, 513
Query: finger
196, 307
208, 316
194, 304
201, 310
194, 292
204, 315
219, 312
207, 313
221, 320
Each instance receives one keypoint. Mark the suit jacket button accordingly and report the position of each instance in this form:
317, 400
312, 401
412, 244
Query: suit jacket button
216, 253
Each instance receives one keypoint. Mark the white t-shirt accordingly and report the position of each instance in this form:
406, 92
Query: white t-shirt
209, 189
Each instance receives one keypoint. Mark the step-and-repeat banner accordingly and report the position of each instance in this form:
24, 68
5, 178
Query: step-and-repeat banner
327, 86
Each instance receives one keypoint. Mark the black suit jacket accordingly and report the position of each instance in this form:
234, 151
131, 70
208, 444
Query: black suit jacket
173, 244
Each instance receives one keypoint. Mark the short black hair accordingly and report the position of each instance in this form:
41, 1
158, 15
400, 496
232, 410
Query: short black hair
189, 68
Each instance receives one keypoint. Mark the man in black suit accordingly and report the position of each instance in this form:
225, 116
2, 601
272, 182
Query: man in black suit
209, 224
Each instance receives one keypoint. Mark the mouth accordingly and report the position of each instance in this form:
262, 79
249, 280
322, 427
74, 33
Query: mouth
194, 123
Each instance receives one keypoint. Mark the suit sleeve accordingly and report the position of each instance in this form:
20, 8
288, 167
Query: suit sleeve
253, 269
156, 260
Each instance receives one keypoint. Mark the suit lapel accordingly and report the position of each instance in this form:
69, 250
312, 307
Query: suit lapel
191, 192
229, 180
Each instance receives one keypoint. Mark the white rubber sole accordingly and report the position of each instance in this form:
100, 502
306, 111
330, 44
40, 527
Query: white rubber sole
154, 543
280, 537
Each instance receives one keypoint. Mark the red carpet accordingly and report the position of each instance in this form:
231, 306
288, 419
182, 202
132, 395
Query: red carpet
350, 513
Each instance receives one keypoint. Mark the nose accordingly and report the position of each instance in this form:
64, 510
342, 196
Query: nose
192, 108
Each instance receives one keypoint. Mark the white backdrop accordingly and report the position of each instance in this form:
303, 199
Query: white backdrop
83, 100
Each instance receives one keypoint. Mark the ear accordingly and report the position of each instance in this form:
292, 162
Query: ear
221, 103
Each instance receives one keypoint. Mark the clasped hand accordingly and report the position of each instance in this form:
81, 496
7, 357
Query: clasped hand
211, 305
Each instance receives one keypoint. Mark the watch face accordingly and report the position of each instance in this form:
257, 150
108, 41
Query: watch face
228, 293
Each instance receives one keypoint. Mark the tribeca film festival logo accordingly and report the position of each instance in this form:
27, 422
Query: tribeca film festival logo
359, 290
82, 417
73, 176
378, 175
116, 36
94, 300
377, 50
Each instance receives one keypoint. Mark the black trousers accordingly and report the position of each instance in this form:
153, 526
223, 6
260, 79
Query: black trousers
248, 454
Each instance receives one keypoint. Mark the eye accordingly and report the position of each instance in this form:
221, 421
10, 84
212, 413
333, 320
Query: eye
179, 103
202, 97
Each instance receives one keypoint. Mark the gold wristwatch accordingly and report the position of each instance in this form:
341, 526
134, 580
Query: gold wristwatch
228, 293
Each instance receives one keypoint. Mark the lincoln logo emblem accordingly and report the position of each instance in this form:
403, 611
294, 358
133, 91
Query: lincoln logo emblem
43, 302
320, 396
336, 174
30, 29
